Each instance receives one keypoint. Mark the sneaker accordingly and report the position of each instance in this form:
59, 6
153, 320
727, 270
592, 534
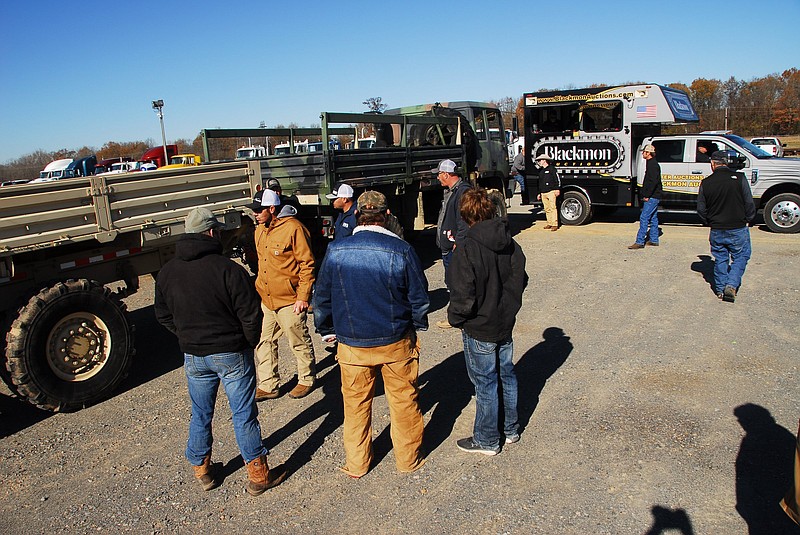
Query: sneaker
511, 439
729, 294
444, 324
469, 445
636, 246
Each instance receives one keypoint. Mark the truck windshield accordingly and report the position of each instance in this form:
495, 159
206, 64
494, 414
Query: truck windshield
758, 152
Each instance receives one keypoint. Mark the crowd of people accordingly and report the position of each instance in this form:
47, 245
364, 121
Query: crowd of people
369, 296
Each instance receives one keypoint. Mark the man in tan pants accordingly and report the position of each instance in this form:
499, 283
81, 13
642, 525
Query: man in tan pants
381, 301
549, 190
284, 281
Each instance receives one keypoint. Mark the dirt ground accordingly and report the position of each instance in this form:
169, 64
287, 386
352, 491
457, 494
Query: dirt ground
648, 406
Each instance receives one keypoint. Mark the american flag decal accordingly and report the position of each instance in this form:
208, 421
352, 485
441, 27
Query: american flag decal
646, 112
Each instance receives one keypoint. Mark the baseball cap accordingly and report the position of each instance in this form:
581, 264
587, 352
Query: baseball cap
263, 199
273, 184
200, 220
649, 148
372, 201
342, 191
447, 166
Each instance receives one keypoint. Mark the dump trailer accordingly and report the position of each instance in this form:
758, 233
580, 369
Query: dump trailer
70, 250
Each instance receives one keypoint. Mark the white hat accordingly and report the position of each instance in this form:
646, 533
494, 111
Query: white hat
265, 198
446, 166
342, 191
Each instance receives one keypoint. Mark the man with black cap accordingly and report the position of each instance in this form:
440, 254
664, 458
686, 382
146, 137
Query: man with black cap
342, 197
725, 203
549, 190
284, 281
208, 302
382, 301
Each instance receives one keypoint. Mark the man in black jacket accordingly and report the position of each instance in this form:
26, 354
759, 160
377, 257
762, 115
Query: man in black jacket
549, 190
450, 228
651, 195
725, 203
209, 303
488, 278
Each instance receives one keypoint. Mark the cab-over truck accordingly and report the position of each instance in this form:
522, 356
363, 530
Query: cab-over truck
595, 137
70, 250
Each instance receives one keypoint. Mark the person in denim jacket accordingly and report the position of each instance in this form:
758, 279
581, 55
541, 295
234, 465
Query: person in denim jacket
372, 294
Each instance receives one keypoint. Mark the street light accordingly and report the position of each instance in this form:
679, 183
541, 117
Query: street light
158, 105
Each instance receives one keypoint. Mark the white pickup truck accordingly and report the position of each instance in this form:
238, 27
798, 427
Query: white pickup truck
775, 182
771, 145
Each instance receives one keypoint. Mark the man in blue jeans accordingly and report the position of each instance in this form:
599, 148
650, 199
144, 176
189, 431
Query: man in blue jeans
209, 303
725, 203
651, 193
488, 278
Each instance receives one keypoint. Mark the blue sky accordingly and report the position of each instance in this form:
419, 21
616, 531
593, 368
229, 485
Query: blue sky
80, 73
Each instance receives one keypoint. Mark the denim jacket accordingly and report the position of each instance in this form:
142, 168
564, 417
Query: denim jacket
371, 289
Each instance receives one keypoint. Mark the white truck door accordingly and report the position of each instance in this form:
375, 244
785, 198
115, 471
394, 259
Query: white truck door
672, 155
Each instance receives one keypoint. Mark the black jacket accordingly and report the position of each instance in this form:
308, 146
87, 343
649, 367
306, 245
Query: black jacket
451, 228
487, 280
651, 184
548, 179
724, 201
207, 300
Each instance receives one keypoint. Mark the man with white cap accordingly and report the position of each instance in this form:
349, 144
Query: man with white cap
549, 190
208, 302
284, 281
342, 197
651, 193
451, 228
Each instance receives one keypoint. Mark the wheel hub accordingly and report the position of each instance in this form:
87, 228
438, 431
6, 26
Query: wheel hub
571, 209
786, 213
77, 347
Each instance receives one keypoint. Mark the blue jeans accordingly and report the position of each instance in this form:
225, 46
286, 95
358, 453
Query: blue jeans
648, 218
521, 181
731, 251
484, 361
237, 373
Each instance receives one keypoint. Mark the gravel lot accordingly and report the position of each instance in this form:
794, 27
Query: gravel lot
630, 372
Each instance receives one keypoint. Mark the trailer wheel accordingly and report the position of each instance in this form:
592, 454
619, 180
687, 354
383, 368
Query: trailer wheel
782, 213
575, 208
70, 346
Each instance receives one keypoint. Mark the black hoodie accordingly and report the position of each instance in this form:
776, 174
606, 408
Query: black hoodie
487, 276
207, 300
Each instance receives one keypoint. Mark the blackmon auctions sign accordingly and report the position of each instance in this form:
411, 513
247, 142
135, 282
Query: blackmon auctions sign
596, 154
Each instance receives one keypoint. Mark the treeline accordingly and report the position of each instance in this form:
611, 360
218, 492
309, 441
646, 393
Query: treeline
763, 106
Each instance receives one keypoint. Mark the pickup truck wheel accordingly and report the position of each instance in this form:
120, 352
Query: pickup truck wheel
782, 213
70, 346
575, 208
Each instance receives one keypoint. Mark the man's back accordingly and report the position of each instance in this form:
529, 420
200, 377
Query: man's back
725, 201
372, 287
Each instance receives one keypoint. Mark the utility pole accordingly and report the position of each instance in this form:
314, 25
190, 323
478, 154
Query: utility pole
158, 105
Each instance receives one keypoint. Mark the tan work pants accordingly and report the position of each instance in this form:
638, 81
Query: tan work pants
550, 211
276, 323
402, 394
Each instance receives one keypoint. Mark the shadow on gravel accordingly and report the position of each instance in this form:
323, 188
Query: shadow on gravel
669, 519
17, 414
705, 266
536, 366
439, 298
764, 471
157, 351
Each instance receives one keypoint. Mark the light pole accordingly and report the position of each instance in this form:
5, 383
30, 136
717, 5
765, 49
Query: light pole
158, 105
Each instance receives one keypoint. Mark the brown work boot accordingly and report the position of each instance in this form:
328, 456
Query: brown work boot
262, 395
205, 474
636, 246
301, 391
261, 478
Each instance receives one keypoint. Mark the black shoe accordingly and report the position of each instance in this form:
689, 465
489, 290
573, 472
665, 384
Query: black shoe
729, 294
469, 445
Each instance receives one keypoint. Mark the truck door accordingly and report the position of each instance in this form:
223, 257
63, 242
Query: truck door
671, 155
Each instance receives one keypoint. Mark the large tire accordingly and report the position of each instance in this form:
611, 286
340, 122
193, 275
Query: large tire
423, 135
575, 208
782, 213
70, 346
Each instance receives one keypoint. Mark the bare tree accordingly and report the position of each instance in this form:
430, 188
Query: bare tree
375, 105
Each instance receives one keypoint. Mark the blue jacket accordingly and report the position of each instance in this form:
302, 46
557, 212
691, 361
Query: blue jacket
371, 289
345, 224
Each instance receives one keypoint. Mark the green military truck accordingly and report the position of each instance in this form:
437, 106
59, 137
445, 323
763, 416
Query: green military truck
71, 249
